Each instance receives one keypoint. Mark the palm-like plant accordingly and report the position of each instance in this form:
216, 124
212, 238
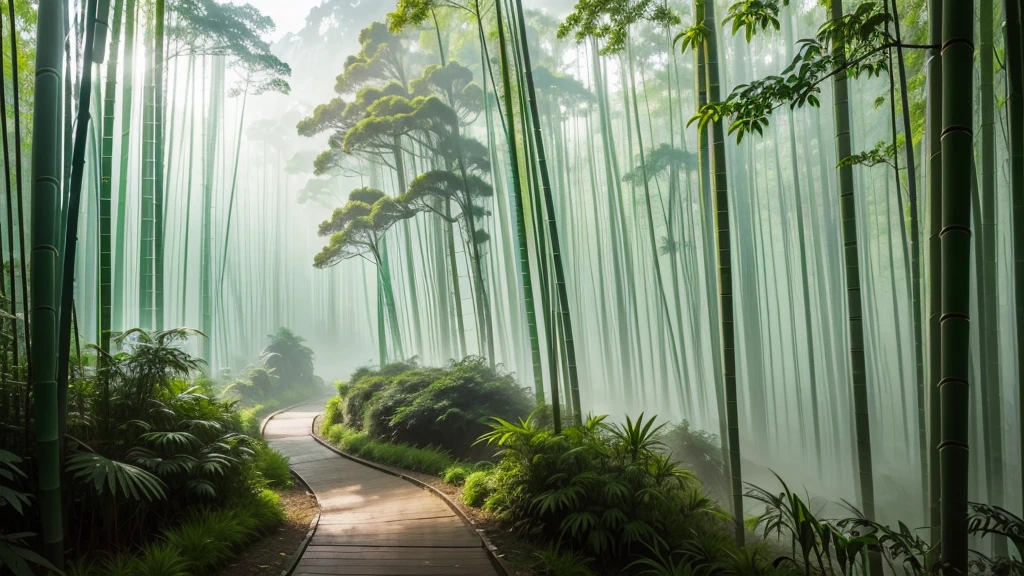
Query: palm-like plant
603, 488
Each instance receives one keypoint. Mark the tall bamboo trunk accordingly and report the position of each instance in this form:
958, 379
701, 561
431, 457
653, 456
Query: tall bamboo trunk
955, 239
847, 203
121, 243
934, 131
556, 255
725, 285
106, 176
988, 301
46, 192
526, 277
209, 162
1015, 111
147, 218
158, 168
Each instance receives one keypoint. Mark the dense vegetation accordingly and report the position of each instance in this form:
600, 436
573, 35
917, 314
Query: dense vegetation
445, 408
795, 227
161, 472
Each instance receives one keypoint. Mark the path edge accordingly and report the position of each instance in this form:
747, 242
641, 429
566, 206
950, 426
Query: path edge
493, 554
314, 522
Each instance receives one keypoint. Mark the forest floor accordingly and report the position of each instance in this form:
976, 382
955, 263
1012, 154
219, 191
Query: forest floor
519, 553
270, 554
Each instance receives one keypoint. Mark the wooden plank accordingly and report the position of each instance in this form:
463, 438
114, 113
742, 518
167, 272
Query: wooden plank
373, 523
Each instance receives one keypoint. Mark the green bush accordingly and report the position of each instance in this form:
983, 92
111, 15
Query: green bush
332, 412
605, 490
273, 466
557, 562
456, 475
700, 451
161, 559
444, 407
478, 488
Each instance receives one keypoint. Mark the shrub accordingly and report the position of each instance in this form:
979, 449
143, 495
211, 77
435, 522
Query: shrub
161, 559
332, 412
267, 511
273, 466
444, 407
556, 562
600, 488
456, 475
478, 488
700, 451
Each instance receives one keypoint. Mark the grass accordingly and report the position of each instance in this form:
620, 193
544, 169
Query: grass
198, 545
479, 486
426, 460
273, 466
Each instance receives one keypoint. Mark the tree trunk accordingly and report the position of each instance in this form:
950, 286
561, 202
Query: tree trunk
46, 193
1015, 111
118, 305
847, 204
934, 131
725, 284
955, 239
106, 175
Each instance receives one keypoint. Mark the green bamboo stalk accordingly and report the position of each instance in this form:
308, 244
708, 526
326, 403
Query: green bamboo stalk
190, 161
804, 279
106, 176
862, 429
147, 217
955, 239
231, 194
934, 130
989, 300
525, 275
46, 192
556, 254
118, 300
209, 161
158, 169
706, 13
915, 251
1015, 112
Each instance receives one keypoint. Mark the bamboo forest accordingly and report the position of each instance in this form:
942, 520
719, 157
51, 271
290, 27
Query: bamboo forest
512, 287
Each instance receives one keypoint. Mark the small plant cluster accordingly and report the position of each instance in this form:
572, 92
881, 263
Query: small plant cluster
446, 408
282, 375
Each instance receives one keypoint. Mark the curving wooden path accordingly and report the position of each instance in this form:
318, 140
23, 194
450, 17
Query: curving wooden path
372, 522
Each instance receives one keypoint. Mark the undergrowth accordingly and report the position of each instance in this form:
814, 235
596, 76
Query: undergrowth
203, 541
426, 460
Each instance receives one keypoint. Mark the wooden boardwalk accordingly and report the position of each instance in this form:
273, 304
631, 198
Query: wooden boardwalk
372, 522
